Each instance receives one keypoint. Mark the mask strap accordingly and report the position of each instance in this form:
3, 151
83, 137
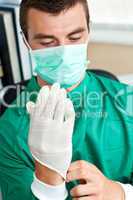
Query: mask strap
30, 52
88, 40
25, 40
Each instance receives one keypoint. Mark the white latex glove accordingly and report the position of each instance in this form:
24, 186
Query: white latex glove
51, 128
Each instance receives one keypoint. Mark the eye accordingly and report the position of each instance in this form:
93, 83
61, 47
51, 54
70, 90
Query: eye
75, 38
46, 43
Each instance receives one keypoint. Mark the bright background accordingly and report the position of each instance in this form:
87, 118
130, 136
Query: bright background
111, 46
112, 11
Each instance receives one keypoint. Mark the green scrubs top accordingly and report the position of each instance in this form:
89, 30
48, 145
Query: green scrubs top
103, 134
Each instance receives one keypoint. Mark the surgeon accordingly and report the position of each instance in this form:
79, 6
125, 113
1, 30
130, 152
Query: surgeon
69, 134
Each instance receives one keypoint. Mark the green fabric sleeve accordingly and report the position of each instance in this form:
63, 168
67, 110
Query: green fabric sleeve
16, 165
15, 177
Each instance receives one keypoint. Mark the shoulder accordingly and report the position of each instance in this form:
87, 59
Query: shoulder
14, 116
112, 87
116, 97
105, 82
14, 150
14, 125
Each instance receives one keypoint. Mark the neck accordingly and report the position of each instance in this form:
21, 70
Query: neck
44, 83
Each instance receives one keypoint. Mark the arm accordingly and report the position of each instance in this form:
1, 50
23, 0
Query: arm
128, 190
16, 169
95, 184
47, 175
48, 184
50, 140
16, 173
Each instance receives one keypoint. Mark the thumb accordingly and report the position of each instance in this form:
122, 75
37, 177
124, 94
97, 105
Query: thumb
70, 112
30, 107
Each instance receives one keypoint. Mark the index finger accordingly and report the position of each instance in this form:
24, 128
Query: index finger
79, 164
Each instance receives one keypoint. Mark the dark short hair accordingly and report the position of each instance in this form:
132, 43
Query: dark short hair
54, 7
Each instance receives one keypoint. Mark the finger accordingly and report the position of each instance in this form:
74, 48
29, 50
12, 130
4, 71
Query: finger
78, 164
70, 112
83, 190
81, 164
52, 101
42, 99
85, 198
81, 174
30, 106
60, 107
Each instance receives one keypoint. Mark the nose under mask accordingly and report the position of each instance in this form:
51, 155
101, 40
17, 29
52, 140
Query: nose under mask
63, 64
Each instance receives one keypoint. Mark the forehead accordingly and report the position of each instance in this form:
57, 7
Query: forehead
62, 23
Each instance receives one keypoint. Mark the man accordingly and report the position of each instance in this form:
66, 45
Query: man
56, 33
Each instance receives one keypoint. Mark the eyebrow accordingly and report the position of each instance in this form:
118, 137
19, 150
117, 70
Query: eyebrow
79, 30
45, 36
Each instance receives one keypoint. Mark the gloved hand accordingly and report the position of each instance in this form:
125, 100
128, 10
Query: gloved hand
51, 128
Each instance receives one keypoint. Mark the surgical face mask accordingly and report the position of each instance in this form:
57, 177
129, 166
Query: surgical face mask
63, 64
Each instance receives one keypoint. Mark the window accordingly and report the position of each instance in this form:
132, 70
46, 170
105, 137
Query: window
112, 11
112, 21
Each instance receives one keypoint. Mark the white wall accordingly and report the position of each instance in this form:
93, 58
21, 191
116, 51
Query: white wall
115, 58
